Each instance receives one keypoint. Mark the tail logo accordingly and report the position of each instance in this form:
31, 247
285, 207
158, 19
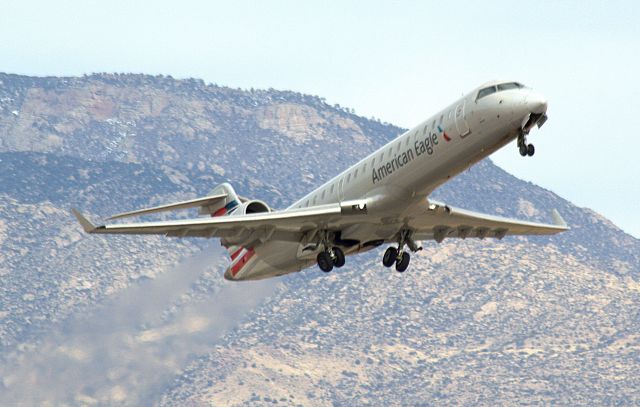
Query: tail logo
225, 209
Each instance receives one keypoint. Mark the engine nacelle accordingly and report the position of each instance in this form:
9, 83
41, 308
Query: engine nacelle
249, 207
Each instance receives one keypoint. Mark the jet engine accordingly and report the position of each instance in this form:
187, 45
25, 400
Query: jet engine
249, 207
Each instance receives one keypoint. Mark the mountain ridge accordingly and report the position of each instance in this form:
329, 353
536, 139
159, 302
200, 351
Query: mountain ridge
108, 143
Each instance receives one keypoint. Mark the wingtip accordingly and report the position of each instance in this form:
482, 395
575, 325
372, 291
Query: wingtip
558, 220
84, 222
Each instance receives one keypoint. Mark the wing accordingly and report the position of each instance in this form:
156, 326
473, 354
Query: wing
241, 229
439, 221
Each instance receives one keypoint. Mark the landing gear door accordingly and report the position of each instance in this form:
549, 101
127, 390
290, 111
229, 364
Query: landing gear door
461, 121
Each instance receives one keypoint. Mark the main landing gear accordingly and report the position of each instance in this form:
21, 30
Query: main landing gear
398, 256
331, 256
328, 259
524, 148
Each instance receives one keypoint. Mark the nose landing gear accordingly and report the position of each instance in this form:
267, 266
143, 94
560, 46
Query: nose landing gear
398, 256
534, 119
524, 148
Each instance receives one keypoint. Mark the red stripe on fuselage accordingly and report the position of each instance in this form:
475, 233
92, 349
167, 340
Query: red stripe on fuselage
241, 262
236, 253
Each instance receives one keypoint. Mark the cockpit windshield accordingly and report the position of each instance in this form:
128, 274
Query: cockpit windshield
498, 88
486, 92
509, 86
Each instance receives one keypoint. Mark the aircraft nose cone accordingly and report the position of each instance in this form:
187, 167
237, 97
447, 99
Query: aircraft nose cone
536, 103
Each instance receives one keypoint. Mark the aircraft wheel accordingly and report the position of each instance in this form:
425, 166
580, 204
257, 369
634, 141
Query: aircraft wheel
338, 259
531, 150
524, 150
403, 263
325, 262
389, 256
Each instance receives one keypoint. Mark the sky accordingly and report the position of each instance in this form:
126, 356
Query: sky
399, 61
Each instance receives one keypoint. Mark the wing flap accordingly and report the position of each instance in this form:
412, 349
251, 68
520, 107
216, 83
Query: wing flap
498, 223
441, 221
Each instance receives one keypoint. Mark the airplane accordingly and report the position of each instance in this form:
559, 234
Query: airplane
382, 199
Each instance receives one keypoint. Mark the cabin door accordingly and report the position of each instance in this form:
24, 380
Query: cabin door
461, 121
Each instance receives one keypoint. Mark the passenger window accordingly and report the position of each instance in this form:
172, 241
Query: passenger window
355, 174
441, 118
306, 204
331, 191
399, 145
322, 197
364, 167
348, 177
433, 125
373, 162
314, 200
486, 92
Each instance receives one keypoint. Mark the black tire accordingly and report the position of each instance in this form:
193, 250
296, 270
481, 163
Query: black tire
389, 256
531, 150
523, 150
402, 265
338, 259
324, 262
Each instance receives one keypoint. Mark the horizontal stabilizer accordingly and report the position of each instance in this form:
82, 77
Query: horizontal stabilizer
193, 203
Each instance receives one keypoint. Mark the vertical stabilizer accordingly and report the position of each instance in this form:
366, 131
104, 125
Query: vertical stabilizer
224, 206
239, 255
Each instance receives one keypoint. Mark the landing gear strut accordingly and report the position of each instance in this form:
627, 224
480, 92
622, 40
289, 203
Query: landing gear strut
331, 256
524, 148
398, 256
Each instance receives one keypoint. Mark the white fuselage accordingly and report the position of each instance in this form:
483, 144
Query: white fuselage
398, 176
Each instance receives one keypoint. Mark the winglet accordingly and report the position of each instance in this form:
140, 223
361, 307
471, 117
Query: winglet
86, 225
557, 219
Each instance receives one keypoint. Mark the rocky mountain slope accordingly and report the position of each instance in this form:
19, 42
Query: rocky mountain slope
523, 320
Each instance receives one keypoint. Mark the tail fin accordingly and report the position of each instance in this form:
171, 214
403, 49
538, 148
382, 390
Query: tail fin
240, 255
223, 207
